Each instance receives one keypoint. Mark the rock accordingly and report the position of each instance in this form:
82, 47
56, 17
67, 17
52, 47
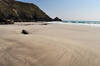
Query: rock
7, 21
21, 12
57, 19
24, 32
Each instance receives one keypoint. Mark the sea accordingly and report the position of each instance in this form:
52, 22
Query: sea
84, 23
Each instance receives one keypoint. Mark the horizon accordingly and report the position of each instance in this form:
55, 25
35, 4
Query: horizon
87, 10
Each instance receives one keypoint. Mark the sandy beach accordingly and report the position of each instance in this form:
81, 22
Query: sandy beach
49, 45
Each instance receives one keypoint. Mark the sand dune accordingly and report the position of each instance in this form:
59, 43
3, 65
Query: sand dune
50, 45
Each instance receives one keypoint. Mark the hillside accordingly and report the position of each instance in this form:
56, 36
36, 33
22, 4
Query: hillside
20, 11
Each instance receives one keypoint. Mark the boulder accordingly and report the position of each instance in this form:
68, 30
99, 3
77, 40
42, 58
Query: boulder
25, 32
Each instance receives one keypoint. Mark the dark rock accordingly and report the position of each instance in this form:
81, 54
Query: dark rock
21, 12
24, 32
7, 21
57, 19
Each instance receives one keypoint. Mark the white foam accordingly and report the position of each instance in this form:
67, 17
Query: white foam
85, 24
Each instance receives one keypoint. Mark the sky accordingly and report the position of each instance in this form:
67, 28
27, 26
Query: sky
70, 9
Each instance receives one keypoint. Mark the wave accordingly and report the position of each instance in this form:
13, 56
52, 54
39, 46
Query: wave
86, 23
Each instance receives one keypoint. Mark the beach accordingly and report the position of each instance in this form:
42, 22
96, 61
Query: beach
49, 45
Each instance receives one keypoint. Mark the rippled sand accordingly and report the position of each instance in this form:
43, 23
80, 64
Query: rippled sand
49, 45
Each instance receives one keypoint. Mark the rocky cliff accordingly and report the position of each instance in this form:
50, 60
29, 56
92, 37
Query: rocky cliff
20, 11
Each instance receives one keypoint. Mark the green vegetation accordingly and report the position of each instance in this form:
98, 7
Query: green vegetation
20, 11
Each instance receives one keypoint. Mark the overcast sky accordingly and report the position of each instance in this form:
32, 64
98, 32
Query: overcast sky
70, 9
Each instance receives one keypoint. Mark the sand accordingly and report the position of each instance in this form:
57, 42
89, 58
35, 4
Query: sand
49, 45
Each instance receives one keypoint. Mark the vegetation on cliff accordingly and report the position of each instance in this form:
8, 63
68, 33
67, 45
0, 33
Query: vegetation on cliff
20, 11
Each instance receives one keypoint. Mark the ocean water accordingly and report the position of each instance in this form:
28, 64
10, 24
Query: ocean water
86, 23
82, 22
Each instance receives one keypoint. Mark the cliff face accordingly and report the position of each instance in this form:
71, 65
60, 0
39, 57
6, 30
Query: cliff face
20, 11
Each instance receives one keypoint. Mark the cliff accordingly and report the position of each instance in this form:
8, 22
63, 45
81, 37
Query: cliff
20, 11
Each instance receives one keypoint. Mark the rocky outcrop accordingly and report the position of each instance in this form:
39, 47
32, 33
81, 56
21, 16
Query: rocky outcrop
57, 19
20, 11
6, 21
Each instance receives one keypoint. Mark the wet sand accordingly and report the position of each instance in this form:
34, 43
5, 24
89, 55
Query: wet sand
49, 45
